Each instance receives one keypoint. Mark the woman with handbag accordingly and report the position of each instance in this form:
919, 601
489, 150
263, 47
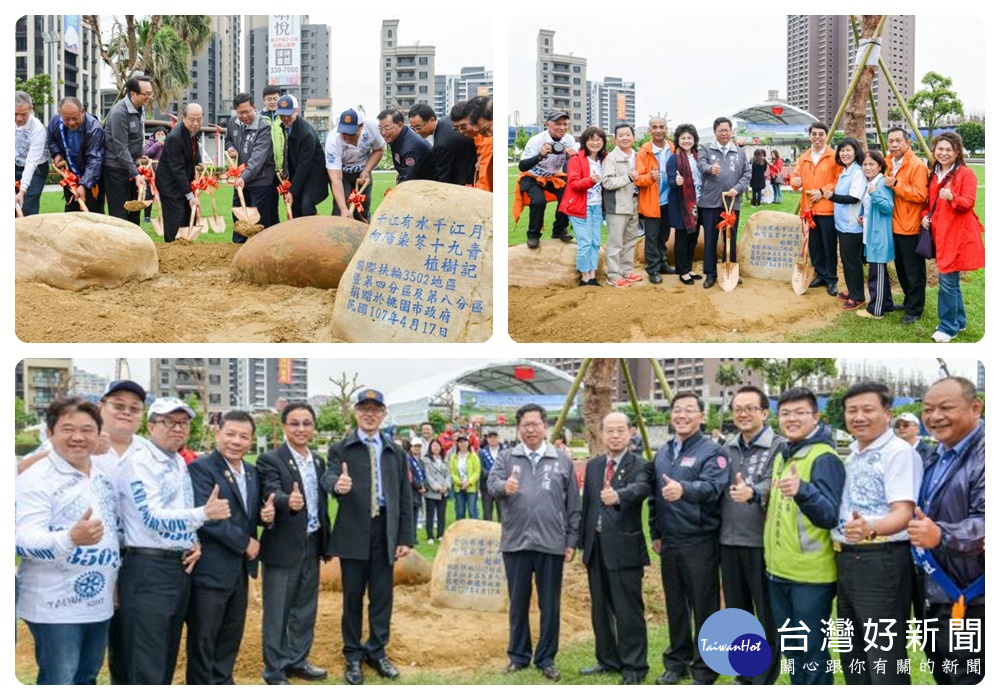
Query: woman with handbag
776, 172
876, 208
955, 229
582, 201
685, 188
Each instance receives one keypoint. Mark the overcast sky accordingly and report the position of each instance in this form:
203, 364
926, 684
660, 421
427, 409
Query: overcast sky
389, 375
676, 72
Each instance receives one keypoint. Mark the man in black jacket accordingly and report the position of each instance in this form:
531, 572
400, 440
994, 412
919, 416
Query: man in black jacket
292, 547
452, 153
614, 550
368, 475
411, 155
76, 142
124, 136
176, 172
218, 606
304, 161
691, 474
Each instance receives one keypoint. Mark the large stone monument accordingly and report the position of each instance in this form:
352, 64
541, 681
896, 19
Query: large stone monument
424, 272
468, 571
769, 245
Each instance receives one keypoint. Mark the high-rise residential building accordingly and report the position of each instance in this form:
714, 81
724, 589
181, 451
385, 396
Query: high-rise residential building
610, 102
472, 81
42, 381
208, 378
263, 382
227, 383
215, 72
314, 52
318, 113
64, 48
89, 385
821, 52
406, 72
560, 83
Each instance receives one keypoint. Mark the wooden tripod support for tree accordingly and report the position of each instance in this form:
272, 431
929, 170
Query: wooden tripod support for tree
871, 95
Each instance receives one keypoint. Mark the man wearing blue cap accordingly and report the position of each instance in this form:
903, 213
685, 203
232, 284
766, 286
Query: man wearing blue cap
368, 475
352, 152
303, 160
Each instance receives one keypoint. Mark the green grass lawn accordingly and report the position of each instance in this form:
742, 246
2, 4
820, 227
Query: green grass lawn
848, 328
52, 202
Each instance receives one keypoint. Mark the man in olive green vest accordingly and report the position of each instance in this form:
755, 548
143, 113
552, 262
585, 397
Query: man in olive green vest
806, 487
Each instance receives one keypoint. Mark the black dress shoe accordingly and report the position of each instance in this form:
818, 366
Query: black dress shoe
513, 668
670, 678
352, 673
595, 670
630, 678
831, 289
581, 283
593, 282
564, 237
654, 278
688, 281
708, 283
533, 243
667, 270
276, 681
551, 672
383, 667
817, 282
909, 319
695, 277
307, 672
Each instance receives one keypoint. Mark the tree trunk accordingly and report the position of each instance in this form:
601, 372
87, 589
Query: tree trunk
597, 388
854, 115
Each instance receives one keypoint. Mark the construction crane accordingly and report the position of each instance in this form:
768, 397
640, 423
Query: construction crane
121, 369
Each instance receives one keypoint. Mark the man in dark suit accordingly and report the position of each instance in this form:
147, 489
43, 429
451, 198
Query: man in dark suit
368, 475
614, 551
487, 457
304, 160
176, 171
453, 154
291, 548
218, 606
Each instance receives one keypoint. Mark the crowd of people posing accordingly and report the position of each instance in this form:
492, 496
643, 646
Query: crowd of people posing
873, 207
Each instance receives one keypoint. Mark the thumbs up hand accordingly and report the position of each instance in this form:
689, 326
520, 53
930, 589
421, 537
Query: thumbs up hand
295, 499
344, 483
740, 492
672, 490
923, 531
216, 508
267, 512
87, 531
609, 496
789, 484
857, 528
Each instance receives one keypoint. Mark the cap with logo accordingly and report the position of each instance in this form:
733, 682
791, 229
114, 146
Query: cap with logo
370, 396
349, 122
125, 385
287, 104
165, 405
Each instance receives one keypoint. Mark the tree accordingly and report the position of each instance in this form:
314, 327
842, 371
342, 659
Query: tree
159, 46
330, 418
197, 438
833, 412
973, 135
344, 397
39, 86
22, 417
936, 101
437, 421
783, 373
597, 387
857, 103
726, 375
894, 115
521, 139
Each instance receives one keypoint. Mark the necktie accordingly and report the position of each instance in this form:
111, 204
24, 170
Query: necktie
609, 472
534, 458
373, 459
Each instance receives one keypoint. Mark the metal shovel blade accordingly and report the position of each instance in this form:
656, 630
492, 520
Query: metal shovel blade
729, 276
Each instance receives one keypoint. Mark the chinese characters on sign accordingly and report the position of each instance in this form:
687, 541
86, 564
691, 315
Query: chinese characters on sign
769, 246
284, 65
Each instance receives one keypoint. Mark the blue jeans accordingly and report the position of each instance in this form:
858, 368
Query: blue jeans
33, 195
777, 192
588, 238
466, 505
69, 654
951, 308
803, 603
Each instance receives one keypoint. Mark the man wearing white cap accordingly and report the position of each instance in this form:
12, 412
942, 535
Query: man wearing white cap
907, 427
352, 153
160, 520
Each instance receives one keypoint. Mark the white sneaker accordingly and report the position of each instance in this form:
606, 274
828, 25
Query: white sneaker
941, 337
430, 541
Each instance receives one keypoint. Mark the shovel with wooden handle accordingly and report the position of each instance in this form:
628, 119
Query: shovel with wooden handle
729, 273
246, 224
157, 221
803, 271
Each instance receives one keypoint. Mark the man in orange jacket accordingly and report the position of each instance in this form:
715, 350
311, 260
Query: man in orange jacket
651, 165
908, 182
815, 171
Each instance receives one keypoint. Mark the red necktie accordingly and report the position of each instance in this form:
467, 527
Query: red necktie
609, 472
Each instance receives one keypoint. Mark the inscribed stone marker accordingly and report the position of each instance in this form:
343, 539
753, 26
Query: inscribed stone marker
468, 571
769, 246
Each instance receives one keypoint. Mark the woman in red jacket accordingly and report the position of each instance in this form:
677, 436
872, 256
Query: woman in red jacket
775, 172
957, 231
582, 201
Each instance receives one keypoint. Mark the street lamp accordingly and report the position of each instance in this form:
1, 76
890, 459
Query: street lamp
51, 41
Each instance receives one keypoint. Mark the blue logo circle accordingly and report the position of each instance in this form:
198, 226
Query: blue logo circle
89, 584
732, 643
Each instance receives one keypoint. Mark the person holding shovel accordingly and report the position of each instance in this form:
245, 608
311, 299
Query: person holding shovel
124, 132
725, 172
176, 171
304, 161
248, 144
815, 172
353, 151
76, 144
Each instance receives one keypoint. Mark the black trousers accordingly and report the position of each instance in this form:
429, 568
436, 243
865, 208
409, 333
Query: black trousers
350, 179
176, 215
710, 218
303, 205
145, 635
265, 199
215, 621
863, 596
489, 503
290, 600
95, 203
684, 245
911, 271
536, 208
823, 248
853, 259
960, 673
618, 615
120, 189
691, 579
374, 576
435, 507
657, 234
547, 572
744, 586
